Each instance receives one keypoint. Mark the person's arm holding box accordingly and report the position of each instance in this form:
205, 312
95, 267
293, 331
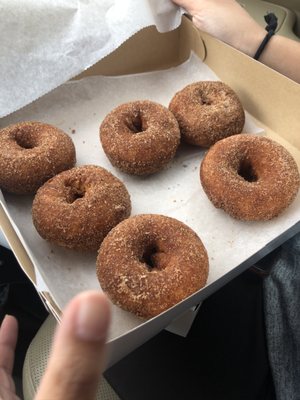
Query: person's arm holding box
228, 21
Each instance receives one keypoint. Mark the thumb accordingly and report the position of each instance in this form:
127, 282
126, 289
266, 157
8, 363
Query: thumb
77, 357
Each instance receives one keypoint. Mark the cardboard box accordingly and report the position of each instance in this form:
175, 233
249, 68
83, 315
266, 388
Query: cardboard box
271, 99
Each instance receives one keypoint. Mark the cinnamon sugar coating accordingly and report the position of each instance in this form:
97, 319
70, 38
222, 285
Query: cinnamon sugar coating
78, 207
207, 111
140, 137
250, 177
31, 153
149, 262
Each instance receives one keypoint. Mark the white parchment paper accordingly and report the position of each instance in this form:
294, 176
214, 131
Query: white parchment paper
78, 108
45, 43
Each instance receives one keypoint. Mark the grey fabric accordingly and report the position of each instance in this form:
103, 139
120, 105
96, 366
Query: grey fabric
282, 316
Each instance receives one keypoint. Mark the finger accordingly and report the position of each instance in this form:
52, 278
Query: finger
77, 356
6, 381
8, 341
189, 5
6, 394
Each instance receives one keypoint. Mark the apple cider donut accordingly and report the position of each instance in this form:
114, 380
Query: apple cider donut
149, 262
31, 153
77, 208
207, 111
140, 137
250, 177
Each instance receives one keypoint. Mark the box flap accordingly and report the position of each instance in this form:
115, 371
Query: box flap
9, 230
269, 89
149, 50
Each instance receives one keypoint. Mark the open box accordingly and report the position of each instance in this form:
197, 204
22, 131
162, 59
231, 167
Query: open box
270, 98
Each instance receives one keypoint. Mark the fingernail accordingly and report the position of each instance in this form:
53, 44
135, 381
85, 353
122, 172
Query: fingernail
92, 318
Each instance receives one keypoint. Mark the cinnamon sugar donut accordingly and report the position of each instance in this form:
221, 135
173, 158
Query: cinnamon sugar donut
31, 153
207, 112
140, 137
250, 177
148, 263
77, 208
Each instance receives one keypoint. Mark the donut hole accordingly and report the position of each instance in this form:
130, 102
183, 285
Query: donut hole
247, 172
152, 258
24, 140
204, 100
75, 191
136, 124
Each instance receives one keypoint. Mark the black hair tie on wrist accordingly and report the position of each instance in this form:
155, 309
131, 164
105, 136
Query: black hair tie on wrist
272, 23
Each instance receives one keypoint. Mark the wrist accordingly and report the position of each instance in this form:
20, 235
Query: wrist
249, 42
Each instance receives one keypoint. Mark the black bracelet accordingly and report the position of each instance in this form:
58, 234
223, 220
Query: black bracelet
272, 22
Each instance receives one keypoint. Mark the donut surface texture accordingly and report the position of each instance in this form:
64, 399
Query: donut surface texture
31, 153
78, 207
140, 137
149, 262
250, 177
207, 111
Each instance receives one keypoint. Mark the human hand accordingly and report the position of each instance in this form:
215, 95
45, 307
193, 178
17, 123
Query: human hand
77, 357
226, 20
8, 341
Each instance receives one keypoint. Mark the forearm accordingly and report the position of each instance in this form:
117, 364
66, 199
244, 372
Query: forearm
283, 55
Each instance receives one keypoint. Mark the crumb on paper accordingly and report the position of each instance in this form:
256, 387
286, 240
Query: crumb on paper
83, 141
52, 251
73, 131
184, 165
